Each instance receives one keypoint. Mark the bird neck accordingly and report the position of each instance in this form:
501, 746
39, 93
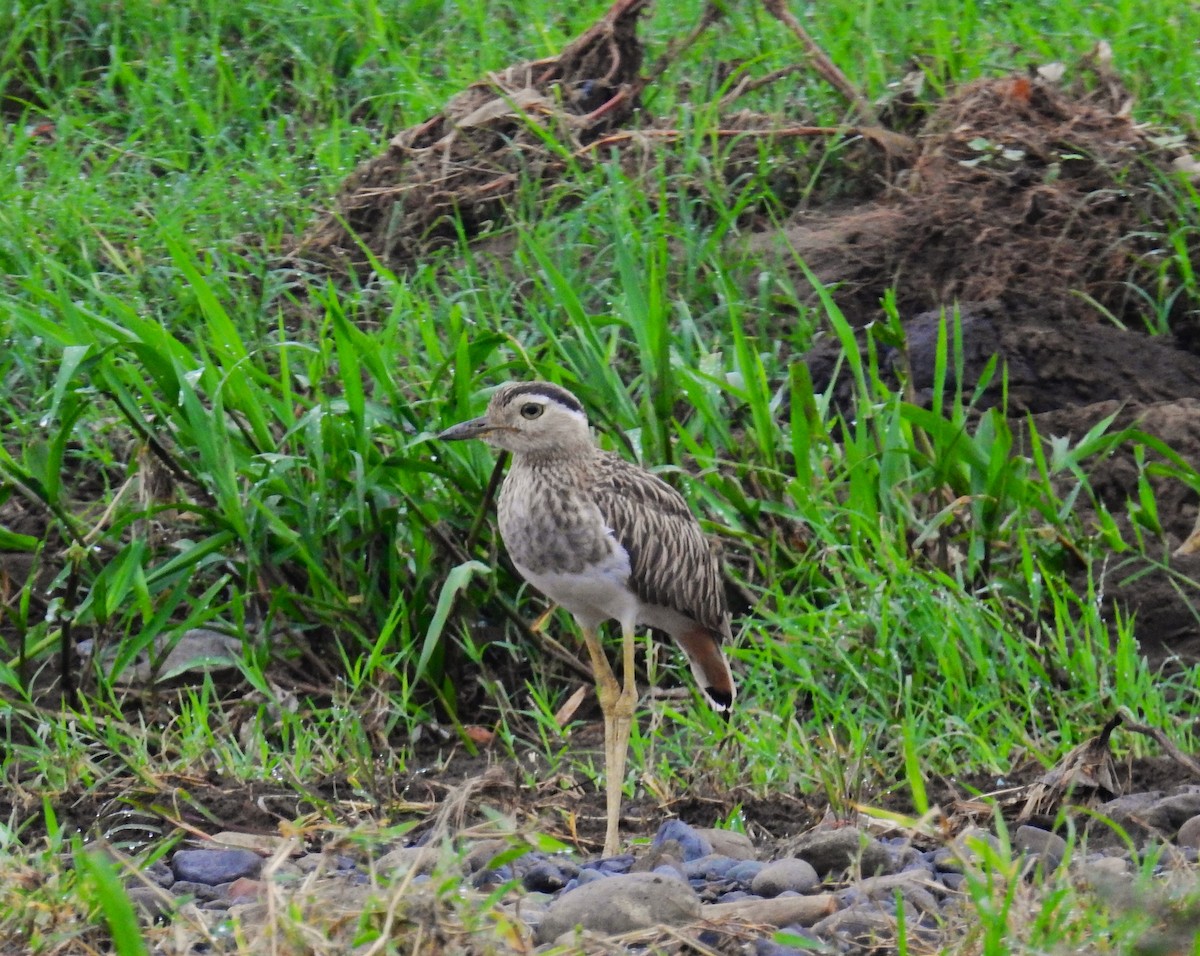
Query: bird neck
573, 453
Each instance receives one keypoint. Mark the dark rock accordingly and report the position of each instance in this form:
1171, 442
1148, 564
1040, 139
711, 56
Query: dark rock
690, 841
833, 850
215, 866
1144, 815
620, 904
613, 864
548, 877
592, 875
489, 878
159, 874
946, 860
954, 882
920, 866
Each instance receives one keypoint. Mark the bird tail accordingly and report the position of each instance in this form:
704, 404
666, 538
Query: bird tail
703, 650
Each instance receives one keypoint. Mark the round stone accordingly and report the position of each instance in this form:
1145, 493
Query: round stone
789, 874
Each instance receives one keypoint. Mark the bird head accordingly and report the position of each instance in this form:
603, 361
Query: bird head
530, 418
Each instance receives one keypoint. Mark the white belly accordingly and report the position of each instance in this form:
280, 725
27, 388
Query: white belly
595, 595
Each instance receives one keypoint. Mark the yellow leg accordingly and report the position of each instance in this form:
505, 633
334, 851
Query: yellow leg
623, 709
616, 703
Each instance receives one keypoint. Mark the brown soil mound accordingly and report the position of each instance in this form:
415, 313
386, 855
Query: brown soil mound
453, 174
1021, 192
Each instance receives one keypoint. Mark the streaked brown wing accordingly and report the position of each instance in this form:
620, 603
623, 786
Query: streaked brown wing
671, 563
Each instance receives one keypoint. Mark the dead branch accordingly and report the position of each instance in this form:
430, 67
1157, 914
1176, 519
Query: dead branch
1154, 733
821, 62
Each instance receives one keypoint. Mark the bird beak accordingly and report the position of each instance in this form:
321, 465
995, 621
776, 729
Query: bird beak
475, 428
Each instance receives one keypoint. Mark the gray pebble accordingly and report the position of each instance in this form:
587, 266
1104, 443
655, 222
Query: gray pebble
904, 856
151, 903
862, 923
915, 887
395, 863
621, 904
945, 860
744, 872
1179, 806
200, 892
215, 866
1048, 847
1189, 833
768, 947
711, 867
787, 874
965, 849
1099, 863
480, 856
781, 911
617, 864
1128, 813
920, 867
310, 861
728, 843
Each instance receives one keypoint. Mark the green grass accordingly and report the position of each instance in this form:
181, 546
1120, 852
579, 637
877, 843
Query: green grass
212, 444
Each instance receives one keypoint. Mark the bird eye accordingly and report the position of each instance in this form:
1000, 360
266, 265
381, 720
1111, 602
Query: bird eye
531, 410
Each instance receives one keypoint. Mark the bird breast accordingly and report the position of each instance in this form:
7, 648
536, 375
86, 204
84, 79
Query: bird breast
559, 542
548, 524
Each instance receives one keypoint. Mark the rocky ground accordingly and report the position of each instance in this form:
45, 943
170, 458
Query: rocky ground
846, 887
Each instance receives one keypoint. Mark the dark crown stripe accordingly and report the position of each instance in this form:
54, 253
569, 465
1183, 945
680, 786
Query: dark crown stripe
546, 390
